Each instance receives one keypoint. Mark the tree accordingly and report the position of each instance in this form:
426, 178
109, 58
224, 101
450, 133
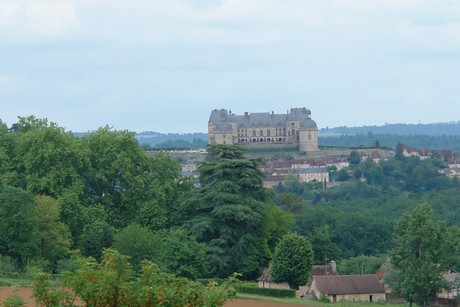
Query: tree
343, 175
182, 254
418, 255
53, 235
49, 160
292, 261
354, 158
95, 237
229, 210
117, 164
18, 223
360, 265
139, 243
323, 248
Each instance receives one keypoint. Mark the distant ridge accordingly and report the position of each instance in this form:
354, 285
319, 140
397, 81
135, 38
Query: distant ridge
434, 129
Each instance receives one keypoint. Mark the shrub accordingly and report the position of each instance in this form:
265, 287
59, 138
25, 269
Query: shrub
6, 266
14, 301
114, 283
281, 293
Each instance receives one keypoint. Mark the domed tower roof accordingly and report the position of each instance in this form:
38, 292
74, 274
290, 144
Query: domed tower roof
308, 123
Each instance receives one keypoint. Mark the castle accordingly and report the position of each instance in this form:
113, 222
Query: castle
295, 129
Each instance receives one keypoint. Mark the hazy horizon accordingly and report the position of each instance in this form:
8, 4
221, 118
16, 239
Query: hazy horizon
165, 65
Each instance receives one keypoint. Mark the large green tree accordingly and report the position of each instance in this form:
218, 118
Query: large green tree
418, 255
182, 254
229, 210
52, 234
137, 242
292, 261
18, 223
48, 160
117, 162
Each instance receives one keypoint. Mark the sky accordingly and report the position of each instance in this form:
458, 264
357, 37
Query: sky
164, 65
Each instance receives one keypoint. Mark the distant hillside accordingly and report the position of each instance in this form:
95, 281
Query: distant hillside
426, 136
435, 129
172, 140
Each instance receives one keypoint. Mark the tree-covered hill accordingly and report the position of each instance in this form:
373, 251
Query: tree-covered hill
433, 129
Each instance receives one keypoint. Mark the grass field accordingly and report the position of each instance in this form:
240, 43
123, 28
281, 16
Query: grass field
314, 303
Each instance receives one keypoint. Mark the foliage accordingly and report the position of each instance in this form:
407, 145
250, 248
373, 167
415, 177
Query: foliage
17, 224
14, 301
437, 142
182, 255
360, 265
95, 237
45, 294
137, 242
229, 211
6, 265
53, 235
290, 202
283, 293
323, 248
354, 158
292, 261
112, 283
418, 256
354, 233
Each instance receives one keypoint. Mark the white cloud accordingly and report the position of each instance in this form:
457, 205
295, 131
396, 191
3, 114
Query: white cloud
24, 20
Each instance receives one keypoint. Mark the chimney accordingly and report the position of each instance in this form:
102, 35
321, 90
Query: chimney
333, 266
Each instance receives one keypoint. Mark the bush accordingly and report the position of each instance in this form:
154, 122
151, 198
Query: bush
14, 301
114, 283
281, 293
6, 266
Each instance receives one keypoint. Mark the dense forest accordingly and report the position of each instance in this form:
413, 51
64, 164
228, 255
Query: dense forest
61, 192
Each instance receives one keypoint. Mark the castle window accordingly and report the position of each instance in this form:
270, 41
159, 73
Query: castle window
268, 132
309, 137
261, 133
253, 133
292, 124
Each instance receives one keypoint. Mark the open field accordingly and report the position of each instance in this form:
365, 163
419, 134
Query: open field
26, 295
242, 300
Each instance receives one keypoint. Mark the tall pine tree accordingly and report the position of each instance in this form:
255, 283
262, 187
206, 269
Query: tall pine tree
229, 211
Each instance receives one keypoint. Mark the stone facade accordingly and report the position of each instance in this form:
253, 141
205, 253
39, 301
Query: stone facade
264, 130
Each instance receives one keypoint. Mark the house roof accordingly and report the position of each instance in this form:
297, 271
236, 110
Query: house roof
348, 284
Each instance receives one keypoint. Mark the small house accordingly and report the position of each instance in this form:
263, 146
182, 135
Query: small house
338, 288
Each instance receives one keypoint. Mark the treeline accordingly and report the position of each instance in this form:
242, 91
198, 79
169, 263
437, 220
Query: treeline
60, 192
152, 140
449, 128
369, 140
357, 219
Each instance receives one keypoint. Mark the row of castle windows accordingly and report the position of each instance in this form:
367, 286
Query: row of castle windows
267, 133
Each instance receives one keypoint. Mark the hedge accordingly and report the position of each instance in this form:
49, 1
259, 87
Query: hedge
281, 293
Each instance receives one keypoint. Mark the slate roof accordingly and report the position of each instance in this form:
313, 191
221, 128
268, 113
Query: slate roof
348, 284
222, 118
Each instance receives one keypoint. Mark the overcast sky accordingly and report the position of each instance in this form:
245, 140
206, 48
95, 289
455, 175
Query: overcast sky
163, 65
